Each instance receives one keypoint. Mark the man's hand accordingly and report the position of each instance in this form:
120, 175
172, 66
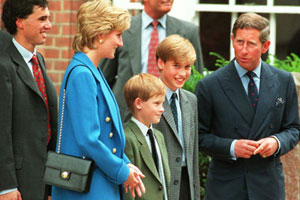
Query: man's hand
134, 182
267, 147
245, 148
14, 195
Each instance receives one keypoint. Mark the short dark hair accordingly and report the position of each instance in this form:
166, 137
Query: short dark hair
14, 9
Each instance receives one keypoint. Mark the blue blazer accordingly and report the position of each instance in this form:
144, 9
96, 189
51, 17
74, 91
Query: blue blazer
92, 127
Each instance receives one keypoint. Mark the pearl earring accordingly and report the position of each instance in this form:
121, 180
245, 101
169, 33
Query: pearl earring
101, 41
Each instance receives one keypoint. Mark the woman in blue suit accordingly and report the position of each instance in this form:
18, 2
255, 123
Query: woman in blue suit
92, 125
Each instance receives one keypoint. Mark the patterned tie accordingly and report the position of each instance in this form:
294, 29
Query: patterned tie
153, 147
38, 77
252, 90
174, 109
152, 68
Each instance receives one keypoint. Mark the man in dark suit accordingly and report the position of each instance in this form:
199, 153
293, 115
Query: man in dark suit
28, 102
132, 58
4, 39
248, 118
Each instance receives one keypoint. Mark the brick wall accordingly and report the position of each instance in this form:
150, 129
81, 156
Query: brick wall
57, 49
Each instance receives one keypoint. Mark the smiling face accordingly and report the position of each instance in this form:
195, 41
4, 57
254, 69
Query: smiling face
111, 42
157, 8
174, 74
151, 110
248, 47
32, 30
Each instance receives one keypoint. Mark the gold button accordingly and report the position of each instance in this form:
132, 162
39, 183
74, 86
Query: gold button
107, 119
114, 150
111, 134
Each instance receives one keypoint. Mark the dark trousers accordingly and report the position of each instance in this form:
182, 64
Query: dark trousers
185, 193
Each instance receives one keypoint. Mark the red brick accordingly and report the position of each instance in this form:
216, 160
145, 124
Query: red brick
49, 41
63, 17
72, 5
69, 29
61, 65
67, 53
51, 53
63, 42
54, 76
55, 29
54, 5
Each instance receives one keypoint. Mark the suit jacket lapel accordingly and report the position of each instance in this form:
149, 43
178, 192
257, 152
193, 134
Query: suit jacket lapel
167, 114
144, 149
134, 44
268, 86
22, 69
164, 158
171, 26
185, 117
235, 92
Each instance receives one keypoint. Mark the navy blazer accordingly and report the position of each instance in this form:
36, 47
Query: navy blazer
92, 127
225, 114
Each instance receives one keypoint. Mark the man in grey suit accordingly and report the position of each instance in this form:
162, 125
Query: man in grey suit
132, 58
248, 118
4, 39
28, 120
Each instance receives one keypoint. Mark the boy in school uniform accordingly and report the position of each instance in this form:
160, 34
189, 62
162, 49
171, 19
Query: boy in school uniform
179, 123
145, 146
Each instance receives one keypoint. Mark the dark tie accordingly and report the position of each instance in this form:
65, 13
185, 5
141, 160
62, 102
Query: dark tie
151, 66
153, 147
39, 79
174, 109
252, 90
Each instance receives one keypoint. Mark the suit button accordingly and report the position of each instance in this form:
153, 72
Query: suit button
176, 182
178, 159
111, 134
160, 188
114, 150
271, 126
107, 119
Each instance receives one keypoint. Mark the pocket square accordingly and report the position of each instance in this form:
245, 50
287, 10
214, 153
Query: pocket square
279, 101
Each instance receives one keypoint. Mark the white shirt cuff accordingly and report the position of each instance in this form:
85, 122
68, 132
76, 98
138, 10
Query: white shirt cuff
7, 191
232, 153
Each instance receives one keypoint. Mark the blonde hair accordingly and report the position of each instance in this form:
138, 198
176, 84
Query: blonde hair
144, 86
253, 20
177, 48
98, 17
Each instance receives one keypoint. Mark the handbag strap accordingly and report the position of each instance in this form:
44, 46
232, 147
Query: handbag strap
63, 110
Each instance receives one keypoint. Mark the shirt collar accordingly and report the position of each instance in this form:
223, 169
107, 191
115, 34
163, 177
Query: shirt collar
147, 20
142, 126
170, 92
27, 55
241, 71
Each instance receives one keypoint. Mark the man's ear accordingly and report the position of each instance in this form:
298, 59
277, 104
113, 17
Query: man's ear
266, 46
19, 23
160, 64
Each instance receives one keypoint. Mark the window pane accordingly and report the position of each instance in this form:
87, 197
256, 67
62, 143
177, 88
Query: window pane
251, 2
214, 1
287, 3
288, 35
215, 36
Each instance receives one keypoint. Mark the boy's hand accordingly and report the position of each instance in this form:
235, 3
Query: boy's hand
134, 182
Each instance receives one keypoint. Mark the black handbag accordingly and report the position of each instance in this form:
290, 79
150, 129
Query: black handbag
65, 171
